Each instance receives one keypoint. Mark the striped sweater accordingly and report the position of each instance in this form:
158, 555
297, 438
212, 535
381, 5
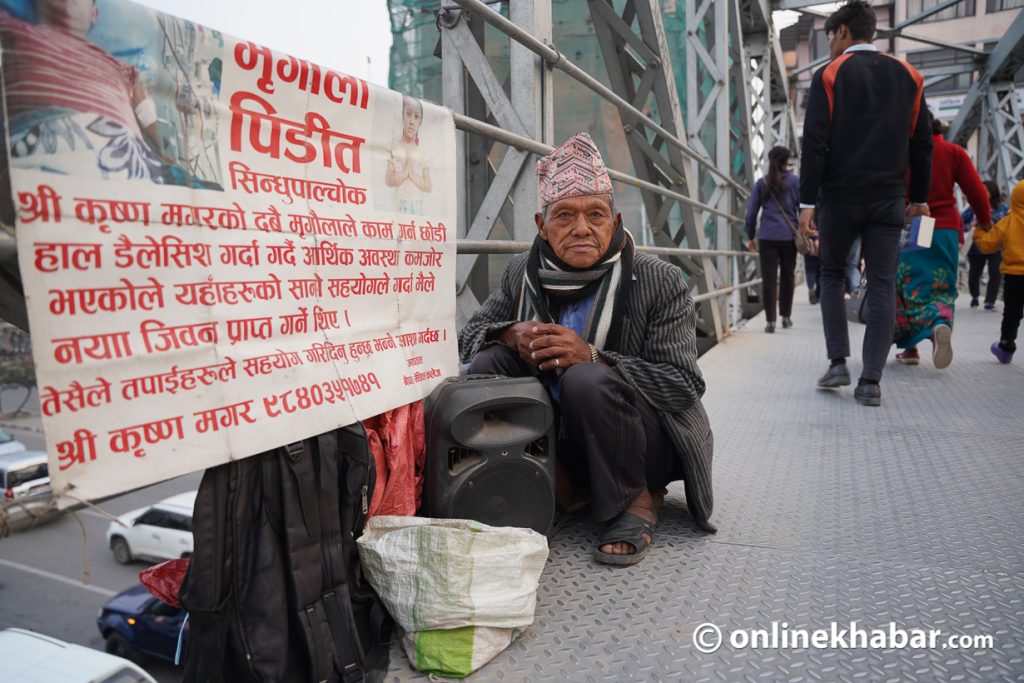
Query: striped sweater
657, 356
46, 67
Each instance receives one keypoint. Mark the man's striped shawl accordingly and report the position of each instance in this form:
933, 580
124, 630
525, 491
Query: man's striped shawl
546, 277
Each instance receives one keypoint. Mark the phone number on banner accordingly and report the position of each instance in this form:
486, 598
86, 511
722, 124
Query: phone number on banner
329, 392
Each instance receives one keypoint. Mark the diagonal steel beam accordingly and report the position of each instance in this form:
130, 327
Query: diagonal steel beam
927, 40
521, 106
489, 211
654, 160
1001, 64
483, 76
893, 32
920, 16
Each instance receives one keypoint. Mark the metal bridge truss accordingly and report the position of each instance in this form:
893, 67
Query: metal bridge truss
694, 177
991, 109
635, 52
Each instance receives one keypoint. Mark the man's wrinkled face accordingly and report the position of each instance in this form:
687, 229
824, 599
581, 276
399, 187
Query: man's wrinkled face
579, 229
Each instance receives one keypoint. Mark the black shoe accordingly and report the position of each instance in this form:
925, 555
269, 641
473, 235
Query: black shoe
770, 327
868, 394
813, 297
836, 376
786, 323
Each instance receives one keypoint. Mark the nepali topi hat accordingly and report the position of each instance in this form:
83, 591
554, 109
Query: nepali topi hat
572, 170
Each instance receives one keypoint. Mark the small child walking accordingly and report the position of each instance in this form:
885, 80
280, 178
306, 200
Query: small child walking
1008, 233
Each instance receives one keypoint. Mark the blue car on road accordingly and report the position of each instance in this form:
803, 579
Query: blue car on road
136, 625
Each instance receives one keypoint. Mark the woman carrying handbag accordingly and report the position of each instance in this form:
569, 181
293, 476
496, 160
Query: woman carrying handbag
777, 198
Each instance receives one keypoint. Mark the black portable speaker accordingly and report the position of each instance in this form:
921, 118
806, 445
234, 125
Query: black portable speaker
491, 452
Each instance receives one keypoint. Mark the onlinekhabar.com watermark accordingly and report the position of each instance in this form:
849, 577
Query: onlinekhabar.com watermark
708, 638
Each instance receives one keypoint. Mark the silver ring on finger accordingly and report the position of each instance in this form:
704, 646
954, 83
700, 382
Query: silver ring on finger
556, 362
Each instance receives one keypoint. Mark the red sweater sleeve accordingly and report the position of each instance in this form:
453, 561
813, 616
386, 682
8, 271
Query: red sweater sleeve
970, 184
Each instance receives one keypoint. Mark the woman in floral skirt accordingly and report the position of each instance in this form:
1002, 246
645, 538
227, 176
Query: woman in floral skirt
926, 279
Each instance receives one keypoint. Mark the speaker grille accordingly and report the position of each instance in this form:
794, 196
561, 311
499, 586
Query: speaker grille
511, 493
461, 459
538, 448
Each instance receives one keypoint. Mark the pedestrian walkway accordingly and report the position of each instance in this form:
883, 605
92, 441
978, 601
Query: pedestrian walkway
828, 512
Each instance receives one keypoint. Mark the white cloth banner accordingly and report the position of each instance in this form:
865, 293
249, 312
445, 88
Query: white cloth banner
224, 249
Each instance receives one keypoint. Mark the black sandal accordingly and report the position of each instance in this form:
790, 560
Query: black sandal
627, 528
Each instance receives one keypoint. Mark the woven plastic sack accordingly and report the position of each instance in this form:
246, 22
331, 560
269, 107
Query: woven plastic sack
461, 590
447, 573
456, 652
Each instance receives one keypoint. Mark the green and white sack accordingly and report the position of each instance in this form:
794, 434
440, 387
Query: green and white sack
439, 576
456, 652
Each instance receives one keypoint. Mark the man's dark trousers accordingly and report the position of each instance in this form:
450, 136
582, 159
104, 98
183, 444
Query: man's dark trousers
878, 223
610, 439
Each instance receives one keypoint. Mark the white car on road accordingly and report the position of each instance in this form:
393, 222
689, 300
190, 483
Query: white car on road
32, 657
157, 532
8, 444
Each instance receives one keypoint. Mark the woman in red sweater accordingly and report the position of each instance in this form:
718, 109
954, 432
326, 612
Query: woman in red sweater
926, 280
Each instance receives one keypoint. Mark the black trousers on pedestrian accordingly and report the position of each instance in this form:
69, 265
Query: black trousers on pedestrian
1013, 311
812, 270
976, 263
878, 223
775, 253
609, 438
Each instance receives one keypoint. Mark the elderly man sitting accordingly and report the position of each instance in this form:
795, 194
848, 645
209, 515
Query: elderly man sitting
610, 334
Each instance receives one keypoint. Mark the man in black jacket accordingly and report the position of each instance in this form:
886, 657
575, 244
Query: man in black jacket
866, 124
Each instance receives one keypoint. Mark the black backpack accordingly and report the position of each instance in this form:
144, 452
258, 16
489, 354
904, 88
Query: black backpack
273, 591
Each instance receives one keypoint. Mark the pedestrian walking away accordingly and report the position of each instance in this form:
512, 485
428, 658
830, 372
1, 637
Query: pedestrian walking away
812, 271
775, 197
866, 126
1008, 233
977, 261
926, 279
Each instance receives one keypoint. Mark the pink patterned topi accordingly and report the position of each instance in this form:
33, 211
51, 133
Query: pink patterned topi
573, 170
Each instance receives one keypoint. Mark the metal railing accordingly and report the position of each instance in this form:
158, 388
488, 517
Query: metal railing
557, 60
709, 280
512, 247
471, 125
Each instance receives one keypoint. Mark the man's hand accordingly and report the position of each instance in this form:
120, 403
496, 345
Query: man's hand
915, 210
752, 245
807, 222
984, 227
546, 346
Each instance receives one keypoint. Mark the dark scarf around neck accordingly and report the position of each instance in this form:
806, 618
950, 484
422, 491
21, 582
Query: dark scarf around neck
549, 282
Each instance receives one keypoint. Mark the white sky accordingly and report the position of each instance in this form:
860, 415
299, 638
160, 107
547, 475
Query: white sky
786, 17
352, 36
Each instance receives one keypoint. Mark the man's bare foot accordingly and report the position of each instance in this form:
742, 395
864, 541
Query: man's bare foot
646, 506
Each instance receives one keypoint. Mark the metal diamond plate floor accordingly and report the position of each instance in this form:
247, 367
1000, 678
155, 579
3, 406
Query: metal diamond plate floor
828, 512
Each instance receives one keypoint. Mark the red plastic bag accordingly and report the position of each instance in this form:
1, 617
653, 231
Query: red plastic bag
164, 580
397, 441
